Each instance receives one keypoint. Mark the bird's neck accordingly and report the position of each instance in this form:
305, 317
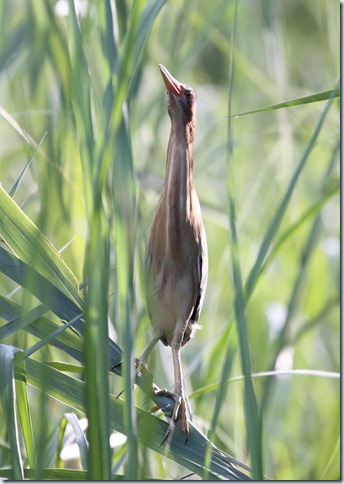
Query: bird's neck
179, 170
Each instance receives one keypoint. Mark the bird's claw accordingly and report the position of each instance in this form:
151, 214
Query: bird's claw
141, 371
178, 417
140, 366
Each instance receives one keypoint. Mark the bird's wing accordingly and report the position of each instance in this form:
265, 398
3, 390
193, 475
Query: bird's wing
201, 278
148, 281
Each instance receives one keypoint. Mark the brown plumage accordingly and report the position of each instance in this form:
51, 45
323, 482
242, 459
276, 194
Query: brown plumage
176, 256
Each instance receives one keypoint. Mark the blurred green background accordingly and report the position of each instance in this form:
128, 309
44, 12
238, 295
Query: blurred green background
282, 50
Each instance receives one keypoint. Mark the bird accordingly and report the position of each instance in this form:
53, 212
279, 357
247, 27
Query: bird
176, 260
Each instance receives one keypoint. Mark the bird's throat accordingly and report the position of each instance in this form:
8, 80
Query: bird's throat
179, 176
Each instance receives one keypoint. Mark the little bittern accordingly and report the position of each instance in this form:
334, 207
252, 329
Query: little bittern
177, 256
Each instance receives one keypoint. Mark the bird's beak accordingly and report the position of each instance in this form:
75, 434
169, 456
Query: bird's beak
172, 85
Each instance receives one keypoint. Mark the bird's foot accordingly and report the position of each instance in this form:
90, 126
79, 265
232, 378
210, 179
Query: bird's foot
141, 367
141, 371
178, 416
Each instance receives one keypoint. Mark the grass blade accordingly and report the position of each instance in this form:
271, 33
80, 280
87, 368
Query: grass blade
43, 341
81, 101
95, 265
295, 371
305, 256
68, 341
313, 98
124, 203
24, 413
252, 418
21, 175
8, 399
21, 321
81, 441
277, 219
313, 210
39, 286
29, 244
97, 352
151, 430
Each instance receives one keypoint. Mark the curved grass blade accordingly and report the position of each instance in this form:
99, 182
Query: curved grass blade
302, 372
53, 298
151, 430
313, 98
333, 456
16, 126
80, 439
281, 209
30, 245
147, 18
23, 274
59, 442
22, 173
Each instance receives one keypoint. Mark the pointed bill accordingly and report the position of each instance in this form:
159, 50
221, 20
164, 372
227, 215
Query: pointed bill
172, 85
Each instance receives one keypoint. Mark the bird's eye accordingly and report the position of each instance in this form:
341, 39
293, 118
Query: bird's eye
188, 94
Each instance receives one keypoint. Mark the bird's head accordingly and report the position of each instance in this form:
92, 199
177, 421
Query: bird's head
181, 98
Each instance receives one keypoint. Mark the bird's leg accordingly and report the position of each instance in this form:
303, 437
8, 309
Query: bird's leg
140, 362
142, 359
178, 392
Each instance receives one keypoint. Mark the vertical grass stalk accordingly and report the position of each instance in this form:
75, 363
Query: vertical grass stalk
252, 418
97, 388
95, 265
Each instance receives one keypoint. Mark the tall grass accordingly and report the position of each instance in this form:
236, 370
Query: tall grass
84, 136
